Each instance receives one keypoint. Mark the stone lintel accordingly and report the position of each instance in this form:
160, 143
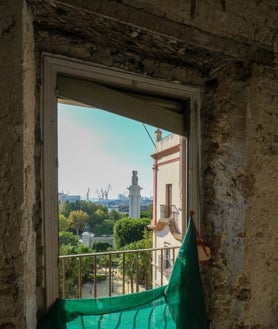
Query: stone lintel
238, 47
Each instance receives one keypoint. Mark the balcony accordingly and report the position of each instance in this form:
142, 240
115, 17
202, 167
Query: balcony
113, 273
169, 212
168, 263
169, 216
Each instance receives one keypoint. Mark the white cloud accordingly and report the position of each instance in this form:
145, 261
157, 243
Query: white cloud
86, 161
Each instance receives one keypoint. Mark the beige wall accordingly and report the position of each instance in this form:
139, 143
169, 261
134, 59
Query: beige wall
168, 172
239, 138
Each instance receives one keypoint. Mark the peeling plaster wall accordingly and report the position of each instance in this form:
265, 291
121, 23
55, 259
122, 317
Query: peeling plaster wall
247, 30
249, 20
261, 211
223, 117
31, 211
17, 237
239, 155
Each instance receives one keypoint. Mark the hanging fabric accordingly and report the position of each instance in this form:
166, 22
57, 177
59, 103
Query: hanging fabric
178, 305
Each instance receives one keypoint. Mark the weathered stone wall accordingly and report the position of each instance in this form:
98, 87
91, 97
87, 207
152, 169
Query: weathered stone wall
223, 117
17, 238
261, 212
239, 116
246, 30
251, 20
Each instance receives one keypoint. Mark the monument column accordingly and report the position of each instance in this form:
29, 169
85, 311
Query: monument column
134, 197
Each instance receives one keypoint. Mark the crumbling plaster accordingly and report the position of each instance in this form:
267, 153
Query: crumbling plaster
240, 180
244, 30
17, 174
261, 210
234, 19
226, 48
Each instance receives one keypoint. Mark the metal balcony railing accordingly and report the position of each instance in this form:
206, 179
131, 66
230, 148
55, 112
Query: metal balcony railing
169, 212
167, 263
112, 273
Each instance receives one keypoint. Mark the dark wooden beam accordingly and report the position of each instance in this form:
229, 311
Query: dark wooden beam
238, 48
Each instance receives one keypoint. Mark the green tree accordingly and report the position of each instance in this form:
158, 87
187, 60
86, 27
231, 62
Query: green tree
68, 238
114, 215
71, 266
127, 230
64, 223
105, 228
141, 261
145, 268
128, 265
147, 213
67, 207
90, 208
97, 213
101, 246
79, 219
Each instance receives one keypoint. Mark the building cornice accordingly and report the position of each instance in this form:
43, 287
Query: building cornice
167, 152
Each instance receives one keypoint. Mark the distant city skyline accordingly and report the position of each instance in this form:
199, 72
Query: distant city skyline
98, 149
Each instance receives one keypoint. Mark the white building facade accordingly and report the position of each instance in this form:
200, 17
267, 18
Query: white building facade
169, 201
88, 239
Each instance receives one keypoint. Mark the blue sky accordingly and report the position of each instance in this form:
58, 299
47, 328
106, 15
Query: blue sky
97, 148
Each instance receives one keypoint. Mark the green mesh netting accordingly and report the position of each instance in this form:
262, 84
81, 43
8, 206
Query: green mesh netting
179, 305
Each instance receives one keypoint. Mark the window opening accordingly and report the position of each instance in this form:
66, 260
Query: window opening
73, 81
95, 144
168, 199
168, 258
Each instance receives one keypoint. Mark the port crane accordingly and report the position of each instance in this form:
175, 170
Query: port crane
88, 194
103, 193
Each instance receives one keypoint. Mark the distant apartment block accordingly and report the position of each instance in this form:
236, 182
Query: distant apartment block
62, 197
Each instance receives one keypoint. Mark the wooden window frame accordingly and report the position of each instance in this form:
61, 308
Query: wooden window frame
55, 65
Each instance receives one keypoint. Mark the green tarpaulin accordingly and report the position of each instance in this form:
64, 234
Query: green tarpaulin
179, 305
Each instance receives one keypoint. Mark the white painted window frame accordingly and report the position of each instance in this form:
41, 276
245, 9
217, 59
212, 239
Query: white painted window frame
54, 65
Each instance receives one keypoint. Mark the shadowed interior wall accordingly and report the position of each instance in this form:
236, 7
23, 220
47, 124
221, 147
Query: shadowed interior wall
239, 156
17, 193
